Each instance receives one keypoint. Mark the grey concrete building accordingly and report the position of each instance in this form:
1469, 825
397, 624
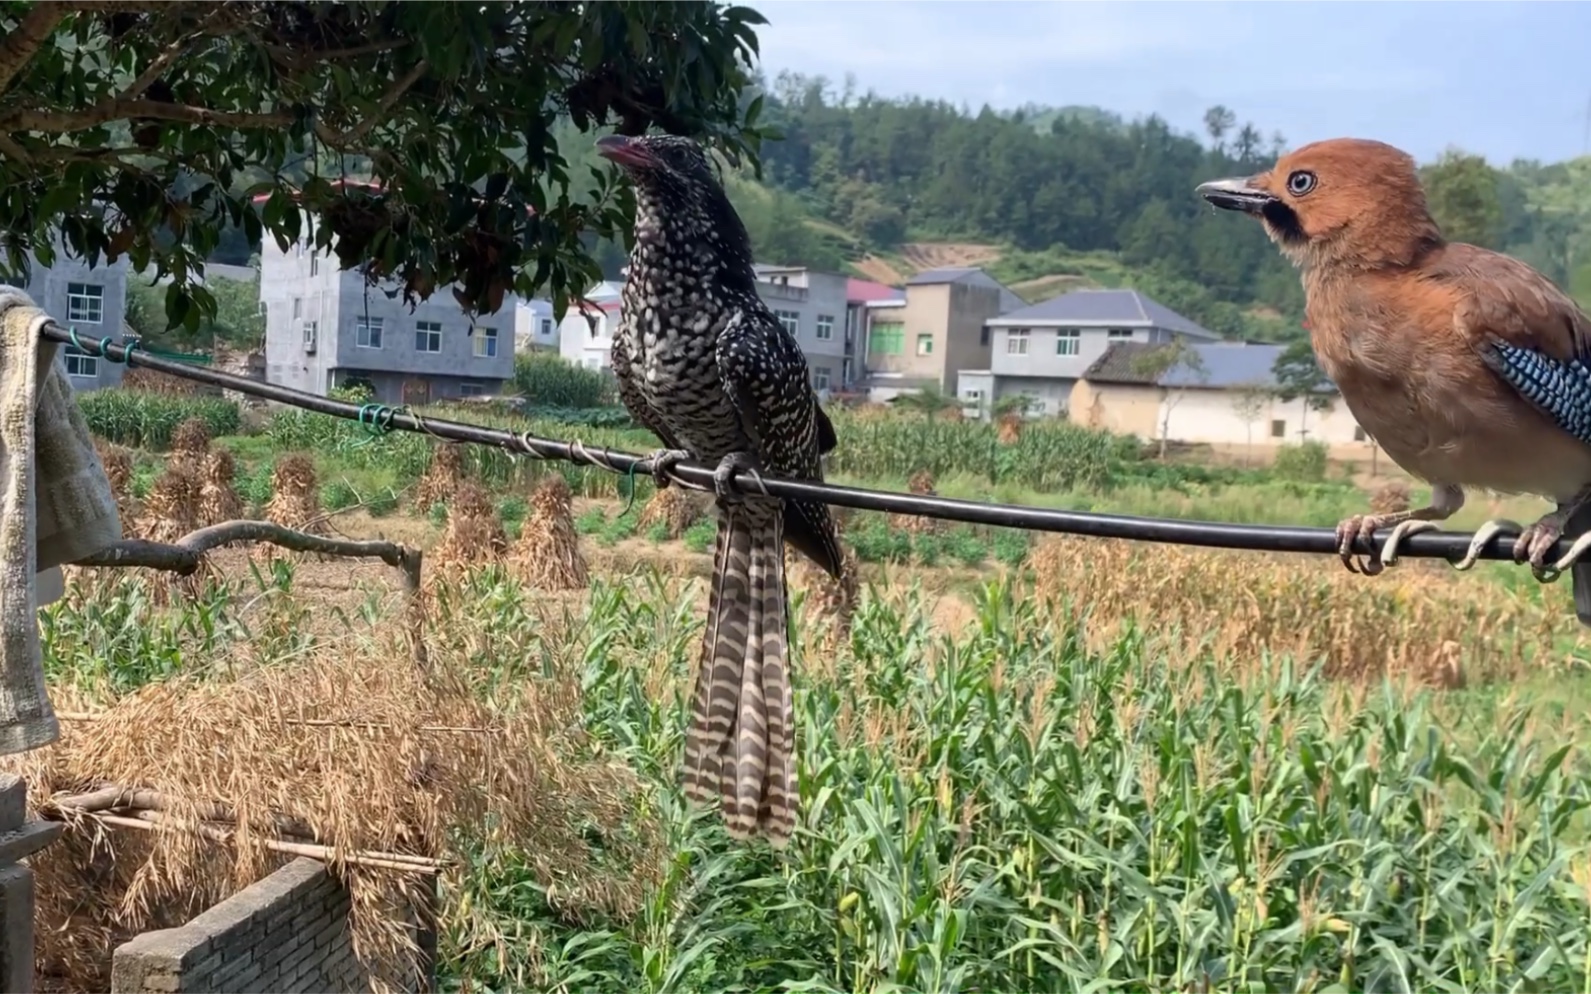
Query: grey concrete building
1043, 350
90, 300
327, 328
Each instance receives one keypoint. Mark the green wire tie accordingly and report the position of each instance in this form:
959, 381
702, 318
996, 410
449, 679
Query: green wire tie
631, 502
376, 420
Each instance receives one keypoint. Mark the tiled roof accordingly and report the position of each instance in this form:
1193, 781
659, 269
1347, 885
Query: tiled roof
949, 274
865, 290
1223, 365
1118, 364
1127, 308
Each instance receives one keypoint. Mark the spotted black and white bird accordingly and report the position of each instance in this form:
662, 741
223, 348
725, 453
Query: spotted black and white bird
703, 363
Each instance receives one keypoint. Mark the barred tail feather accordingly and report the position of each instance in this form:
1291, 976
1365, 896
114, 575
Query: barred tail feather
718, 672
738, 748
778, 797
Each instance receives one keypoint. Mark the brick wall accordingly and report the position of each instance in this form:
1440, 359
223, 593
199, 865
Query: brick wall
286, 933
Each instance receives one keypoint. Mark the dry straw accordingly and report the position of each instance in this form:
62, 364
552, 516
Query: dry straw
366, 755
441, 480
190, 443
474, 535
547, 554
675, 508
218, 496
1405, 624
830, 602
922, 484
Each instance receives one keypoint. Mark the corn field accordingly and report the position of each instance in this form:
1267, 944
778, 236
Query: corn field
147, 420
1011, 803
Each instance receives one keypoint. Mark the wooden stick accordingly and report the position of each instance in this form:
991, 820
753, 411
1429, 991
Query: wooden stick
153, 821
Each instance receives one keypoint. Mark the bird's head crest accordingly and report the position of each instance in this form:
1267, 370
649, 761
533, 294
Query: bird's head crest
1345, 200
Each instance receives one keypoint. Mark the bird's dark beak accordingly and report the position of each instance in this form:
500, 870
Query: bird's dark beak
1235, 195
624, 151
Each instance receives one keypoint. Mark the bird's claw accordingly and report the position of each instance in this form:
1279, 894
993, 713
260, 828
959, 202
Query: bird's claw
1350, 532
1413, 526
723, 476
1485, 533
663, 463
1532, 547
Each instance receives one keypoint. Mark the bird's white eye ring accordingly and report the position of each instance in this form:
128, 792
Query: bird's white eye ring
1300, 182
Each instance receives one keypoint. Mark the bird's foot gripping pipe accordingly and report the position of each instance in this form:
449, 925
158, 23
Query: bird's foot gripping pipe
724, 476
1360, 530
663, 462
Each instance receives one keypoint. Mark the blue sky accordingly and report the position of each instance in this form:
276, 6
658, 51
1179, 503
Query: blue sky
1508, 80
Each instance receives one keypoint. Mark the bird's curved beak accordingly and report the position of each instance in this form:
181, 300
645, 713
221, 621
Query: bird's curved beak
625, 151
1235, 195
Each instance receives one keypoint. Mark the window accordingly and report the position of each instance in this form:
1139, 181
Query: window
983, 335
81, 364
820, 377
367, 333
1278, 429
1017, 342
546, 327
888, 339
925, 345
85, 303
1359, 435
791, 321
314, 264
972, 398
427, 336
1068, 341
1119, 335
471, 389
298, 308
825, 327
311, 333
485, 342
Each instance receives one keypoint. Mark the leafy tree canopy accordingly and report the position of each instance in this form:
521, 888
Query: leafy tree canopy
149, 130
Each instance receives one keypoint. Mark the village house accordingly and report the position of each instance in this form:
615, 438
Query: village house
1043, 350
1221, 394
932, 331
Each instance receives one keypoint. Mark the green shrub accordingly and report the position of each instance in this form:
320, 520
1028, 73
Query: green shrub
1305, 462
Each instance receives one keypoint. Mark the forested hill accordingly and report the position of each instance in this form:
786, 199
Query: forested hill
1048, 199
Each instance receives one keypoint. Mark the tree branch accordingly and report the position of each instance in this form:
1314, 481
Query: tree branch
176, 49
61, 122
25, 39
394, 93
183, 556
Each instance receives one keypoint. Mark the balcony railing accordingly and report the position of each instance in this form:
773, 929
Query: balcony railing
781, 291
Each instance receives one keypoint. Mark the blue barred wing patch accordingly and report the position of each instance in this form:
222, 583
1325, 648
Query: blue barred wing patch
1560, 390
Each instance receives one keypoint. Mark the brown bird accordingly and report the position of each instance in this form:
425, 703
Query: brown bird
1471, 369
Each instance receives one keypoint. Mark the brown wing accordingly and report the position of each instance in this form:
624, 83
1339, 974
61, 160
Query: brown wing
640, 410
1500, 297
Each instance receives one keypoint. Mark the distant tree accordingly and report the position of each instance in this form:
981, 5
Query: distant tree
1218, 120
236, 322
1246, 147
1160, 363
152, 130
1462, 192
1249, 403
1298, 374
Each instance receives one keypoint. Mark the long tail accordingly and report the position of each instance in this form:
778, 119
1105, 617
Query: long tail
738, 749
1580, 573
